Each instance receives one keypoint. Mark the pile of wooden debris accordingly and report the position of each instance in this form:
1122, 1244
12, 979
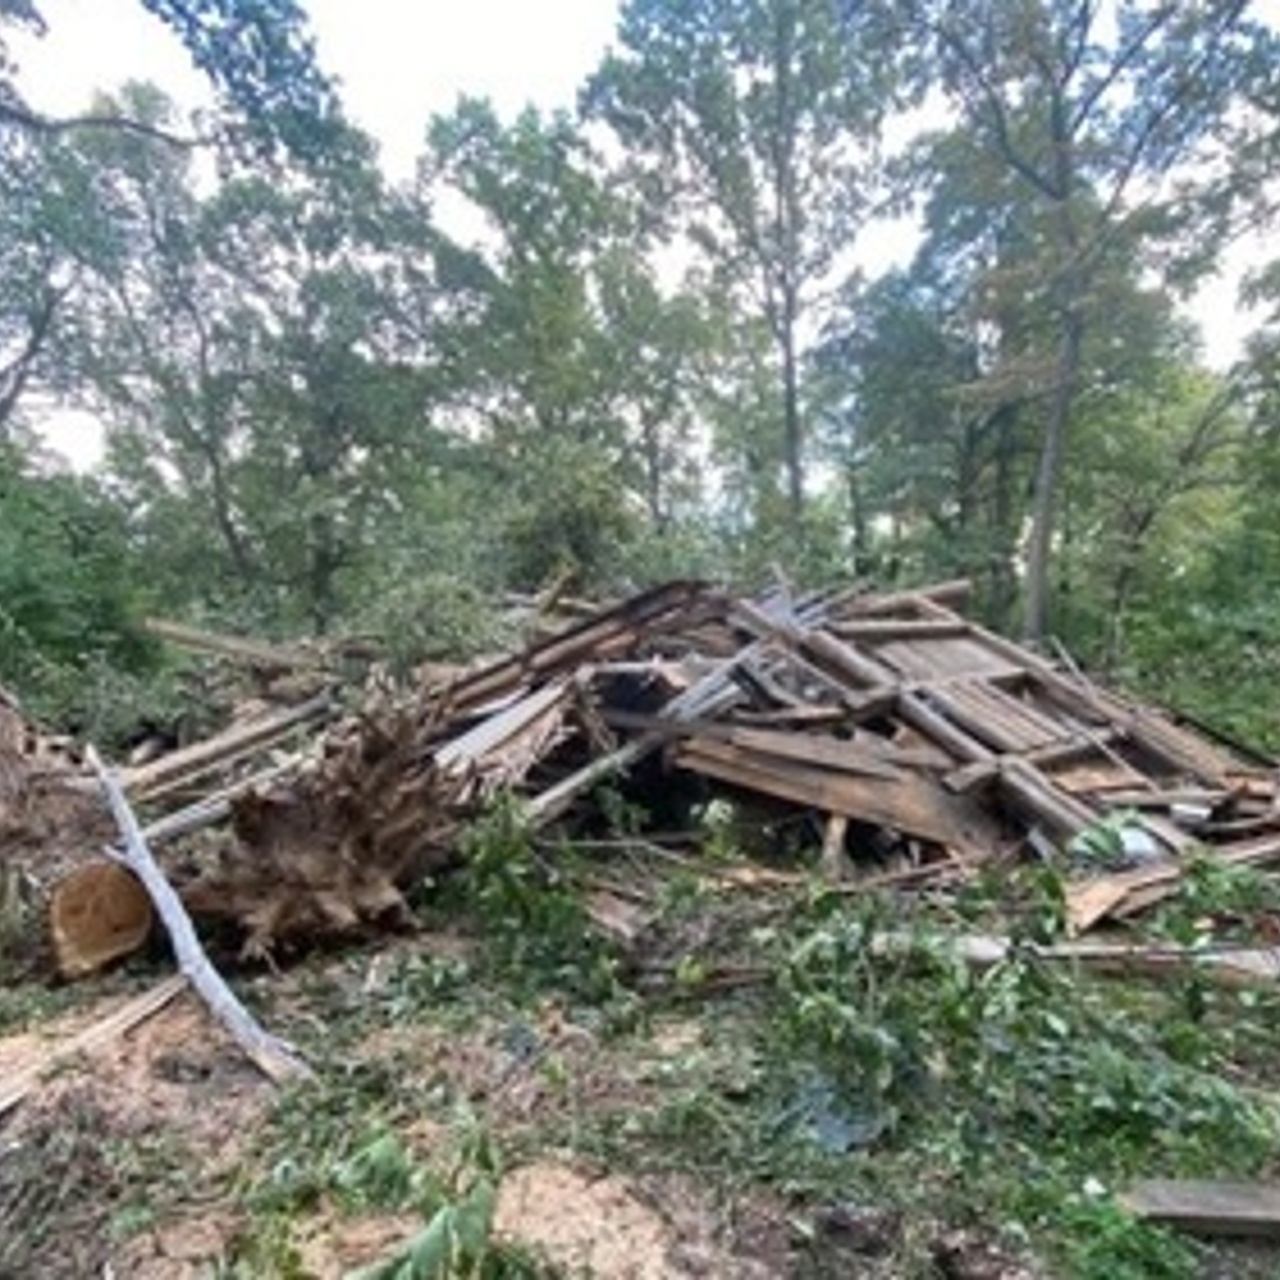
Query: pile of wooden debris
910, 746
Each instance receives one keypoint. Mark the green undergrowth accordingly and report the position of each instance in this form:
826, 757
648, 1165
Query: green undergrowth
767, 1046
1018, 1098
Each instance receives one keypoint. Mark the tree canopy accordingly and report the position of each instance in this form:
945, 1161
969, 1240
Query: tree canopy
651, 335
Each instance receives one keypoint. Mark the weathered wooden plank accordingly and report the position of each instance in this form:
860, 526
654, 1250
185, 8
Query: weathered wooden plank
912, 804
990, 719
609, 632
859, 752
945, 659
505, 727
1208, 1208
254, 653
1127, 892
180, 767
1049, 759
1155, 732
937, 600
821, 648
915, 710
879, 630
1028, 790
816, 750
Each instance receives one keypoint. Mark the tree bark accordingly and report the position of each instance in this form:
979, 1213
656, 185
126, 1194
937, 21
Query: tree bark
793, 430
1049, 477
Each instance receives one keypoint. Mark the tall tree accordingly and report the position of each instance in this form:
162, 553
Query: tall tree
251, 353
569, 363
752, 122
42, 219
1107, 119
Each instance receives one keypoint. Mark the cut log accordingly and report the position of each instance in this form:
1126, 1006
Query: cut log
98, 913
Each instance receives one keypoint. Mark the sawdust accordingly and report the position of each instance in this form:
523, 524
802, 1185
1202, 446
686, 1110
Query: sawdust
613, 1228
177, 1069
188, 1248
173, 1091
332, 1247
584, 1224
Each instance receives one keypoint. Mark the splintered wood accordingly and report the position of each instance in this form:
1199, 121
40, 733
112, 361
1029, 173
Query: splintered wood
909, 744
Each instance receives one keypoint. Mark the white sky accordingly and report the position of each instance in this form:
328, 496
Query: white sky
398, 61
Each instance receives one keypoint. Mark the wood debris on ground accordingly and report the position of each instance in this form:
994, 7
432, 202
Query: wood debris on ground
916, 746
1208, 1208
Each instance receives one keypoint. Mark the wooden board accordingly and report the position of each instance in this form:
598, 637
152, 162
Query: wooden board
940, 659
912, 805
1208, 1208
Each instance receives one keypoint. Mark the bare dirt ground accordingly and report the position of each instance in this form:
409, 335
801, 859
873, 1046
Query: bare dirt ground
125, 1163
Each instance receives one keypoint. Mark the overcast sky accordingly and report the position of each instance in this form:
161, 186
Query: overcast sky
399, 62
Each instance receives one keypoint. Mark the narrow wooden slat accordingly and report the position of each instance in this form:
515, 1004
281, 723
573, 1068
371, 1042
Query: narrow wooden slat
965, 749
491, 735
945, 659
181, 767
816, 750
879, 630
1208, 1208
938, 600
995, 723
819, 647
607, 632
1129, 891
1049, 758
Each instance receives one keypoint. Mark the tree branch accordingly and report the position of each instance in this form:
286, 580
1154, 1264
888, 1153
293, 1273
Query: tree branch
18, 115
273, 1057
995, 110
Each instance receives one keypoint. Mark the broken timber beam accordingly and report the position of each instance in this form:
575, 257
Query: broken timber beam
254, 653
180, 767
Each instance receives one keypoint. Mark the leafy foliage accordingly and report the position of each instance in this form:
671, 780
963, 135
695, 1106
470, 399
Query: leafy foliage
613, 346
258, 55
70, 603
